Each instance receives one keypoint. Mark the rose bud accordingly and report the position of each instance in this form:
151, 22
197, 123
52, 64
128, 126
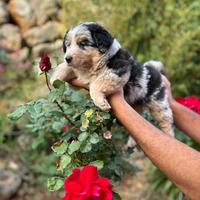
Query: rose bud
107, 135
45, 63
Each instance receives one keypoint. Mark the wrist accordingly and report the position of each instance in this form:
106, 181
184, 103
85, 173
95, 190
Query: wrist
174, 104
116, 101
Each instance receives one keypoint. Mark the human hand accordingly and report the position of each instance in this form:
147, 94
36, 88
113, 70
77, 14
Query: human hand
169, 92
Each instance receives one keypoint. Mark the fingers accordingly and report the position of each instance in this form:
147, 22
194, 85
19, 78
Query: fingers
166, 81
168, 87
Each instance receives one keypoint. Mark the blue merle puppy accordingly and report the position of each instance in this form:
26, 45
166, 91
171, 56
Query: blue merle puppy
93, 55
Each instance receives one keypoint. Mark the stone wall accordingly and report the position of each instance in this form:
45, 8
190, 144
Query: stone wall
30, 27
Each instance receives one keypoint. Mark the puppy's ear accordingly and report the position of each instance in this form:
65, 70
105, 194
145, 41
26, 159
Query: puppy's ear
64, 40
101, 37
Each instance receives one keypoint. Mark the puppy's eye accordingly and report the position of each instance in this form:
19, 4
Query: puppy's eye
84, 43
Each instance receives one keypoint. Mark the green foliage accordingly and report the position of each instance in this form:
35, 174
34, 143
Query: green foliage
81, 142
116, 196
55, 183
162, 30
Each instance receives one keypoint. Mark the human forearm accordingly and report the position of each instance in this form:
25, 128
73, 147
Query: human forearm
186, 120
180, 163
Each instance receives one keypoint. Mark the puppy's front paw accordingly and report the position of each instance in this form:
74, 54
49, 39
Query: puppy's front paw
102, 103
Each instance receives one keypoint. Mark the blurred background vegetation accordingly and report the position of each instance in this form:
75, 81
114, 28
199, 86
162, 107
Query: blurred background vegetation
166, 30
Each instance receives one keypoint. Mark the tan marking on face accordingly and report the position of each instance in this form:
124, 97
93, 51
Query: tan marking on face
80, 37
82, 59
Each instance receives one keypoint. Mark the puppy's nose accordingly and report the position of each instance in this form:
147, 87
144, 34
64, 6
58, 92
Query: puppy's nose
68, 59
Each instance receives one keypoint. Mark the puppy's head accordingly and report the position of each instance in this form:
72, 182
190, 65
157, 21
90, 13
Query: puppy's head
85, 44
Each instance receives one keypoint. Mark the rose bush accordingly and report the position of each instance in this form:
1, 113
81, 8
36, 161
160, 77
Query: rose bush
79, 134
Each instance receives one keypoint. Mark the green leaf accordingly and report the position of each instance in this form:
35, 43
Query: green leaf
53, 95
88, 113
94, 138
98, 163
106, 115
35, 110
85, 123
83, 136
60, 85
118, 171
64, 161
74, 146
87, 147
57, 126
55, 183
116, 196
76, 97
37, 142
60, 147
17, 114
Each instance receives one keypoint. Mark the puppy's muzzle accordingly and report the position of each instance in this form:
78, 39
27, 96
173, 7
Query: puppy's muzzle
68, 59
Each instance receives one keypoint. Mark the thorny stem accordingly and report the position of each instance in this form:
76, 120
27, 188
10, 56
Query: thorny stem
56, 102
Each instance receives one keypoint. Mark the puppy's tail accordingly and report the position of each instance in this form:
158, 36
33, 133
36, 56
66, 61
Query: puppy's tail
159, 66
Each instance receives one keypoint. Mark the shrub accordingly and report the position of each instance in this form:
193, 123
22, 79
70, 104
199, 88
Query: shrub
76, 130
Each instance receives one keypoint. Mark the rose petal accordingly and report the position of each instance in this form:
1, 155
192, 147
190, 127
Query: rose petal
96, 191
106, 194
73, 181
103, 182
88, 175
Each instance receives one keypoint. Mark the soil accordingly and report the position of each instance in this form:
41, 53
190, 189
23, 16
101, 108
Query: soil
137, 187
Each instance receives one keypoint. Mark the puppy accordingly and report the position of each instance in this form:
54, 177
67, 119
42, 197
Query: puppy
93, 55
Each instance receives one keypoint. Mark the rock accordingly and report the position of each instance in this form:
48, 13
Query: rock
39, 49
22, 13
45, 10
10, 36
20, 54
9, 184
46, 33
4, 16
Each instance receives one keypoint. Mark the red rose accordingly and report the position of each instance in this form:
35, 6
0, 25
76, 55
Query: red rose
191, 102
45, 63
86, 185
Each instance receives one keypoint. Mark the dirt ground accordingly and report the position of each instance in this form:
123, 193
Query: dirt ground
137, 187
